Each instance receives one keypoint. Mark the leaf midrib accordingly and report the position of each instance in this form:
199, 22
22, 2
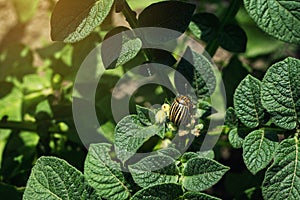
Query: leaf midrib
108, 169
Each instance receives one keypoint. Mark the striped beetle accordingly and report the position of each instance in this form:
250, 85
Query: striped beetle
180, 110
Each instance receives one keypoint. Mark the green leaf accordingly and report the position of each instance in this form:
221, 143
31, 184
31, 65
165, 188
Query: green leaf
173, 15
36, 83
203, 171
281, 92
199, 74
130, 135
73, 20
111, 48
206, 154
235, 140
194, 29
233, 74
204, 81
119, 47
129, 50
186, 69
25, 9
231, 119
208, 24
145, 115
11, 105
200, 154
247, 102
282, 179
278, 18
169, 191
198, 196
233, 38
107, 130
153, 170
258, 42
169, 151
104, 174
161, 131
187, 156
44, 106
54, 178
115, 31
258, 151
206, 109
162, 56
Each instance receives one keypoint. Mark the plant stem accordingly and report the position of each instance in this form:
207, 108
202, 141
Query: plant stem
212, 46
130, 15
229, 15
26, 126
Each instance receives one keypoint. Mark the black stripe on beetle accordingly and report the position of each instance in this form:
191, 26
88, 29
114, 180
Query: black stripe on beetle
180, 110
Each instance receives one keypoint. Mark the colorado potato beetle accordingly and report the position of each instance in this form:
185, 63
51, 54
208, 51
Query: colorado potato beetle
180, 110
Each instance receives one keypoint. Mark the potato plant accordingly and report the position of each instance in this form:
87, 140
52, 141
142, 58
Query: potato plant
137, 157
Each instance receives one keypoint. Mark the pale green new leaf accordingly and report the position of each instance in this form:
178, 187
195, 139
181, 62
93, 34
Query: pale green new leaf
130, 135
202, 173
258, 151
282, 179
165, 191
153, 170
73, 20
247, 102
54, 178
281, 92
104, 174
279, 18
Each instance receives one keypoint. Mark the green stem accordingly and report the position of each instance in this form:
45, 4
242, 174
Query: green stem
212, 46
130, 15
26, 126
231, 12
297, 133
229, 15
